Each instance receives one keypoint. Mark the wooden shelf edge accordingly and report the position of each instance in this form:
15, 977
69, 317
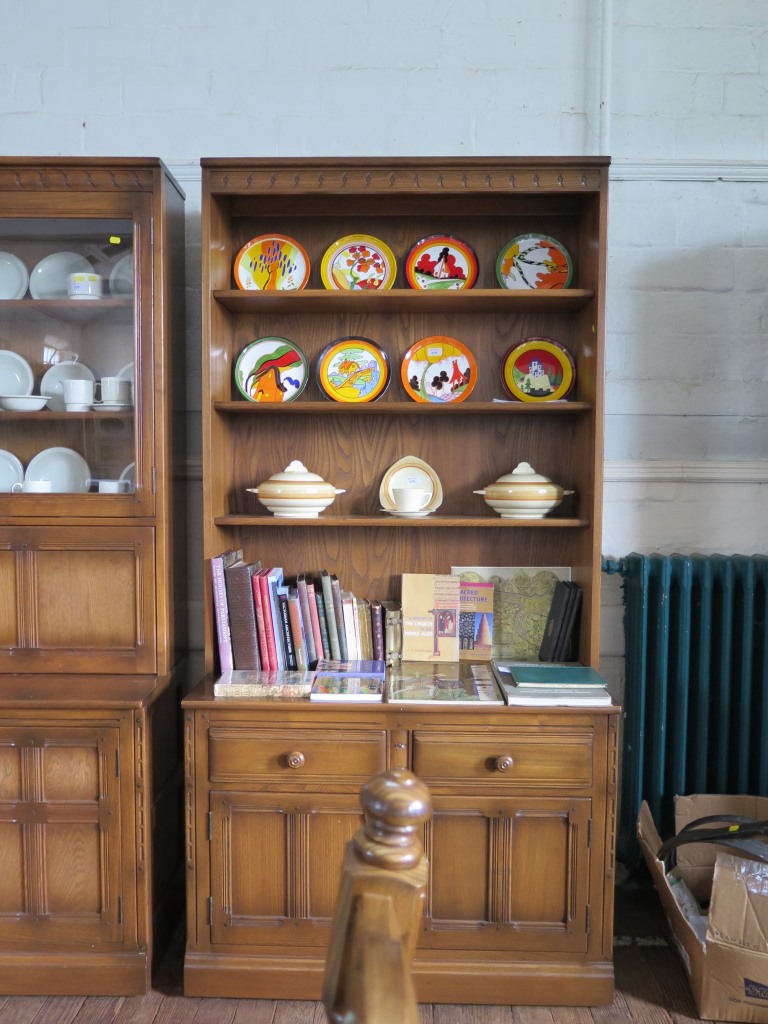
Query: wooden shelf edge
387, 522
241, 407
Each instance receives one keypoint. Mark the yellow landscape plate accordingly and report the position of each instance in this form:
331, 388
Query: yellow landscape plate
358, 263
353, 370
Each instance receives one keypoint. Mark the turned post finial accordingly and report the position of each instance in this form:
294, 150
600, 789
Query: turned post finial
396, 804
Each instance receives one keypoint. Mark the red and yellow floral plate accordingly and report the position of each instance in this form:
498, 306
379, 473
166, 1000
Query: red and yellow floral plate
538, 370
441, 263
535, 262
353, 370
271, 263
438, 369
358, 263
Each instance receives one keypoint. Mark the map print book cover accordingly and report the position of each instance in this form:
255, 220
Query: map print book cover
522, 597
443, 683
341, 687
430, 609
475, 620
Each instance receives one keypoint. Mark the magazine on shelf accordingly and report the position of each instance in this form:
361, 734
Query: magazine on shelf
548, 695
334, 666
342, 686
558, 674
413, 682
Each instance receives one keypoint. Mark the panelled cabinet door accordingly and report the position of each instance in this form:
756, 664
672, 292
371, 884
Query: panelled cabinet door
276, 864
60, 860
507, 873
79, 598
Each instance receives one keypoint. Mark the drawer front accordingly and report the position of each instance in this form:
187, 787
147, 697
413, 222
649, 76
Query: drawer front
505, 757
295, 756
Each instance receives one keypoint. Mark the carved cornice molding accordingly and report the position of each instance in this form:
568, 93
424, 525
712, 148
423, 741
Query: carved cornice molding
71, 178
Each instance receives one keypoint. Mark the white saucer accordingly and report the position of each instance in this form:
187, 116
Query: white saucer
16, 377
48, 279
51, 384
121, 276
14, 277
408, 515
112, 405
11, 471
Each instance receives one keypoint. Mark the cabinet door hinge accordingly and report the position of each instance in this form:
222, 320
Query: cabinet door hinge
210, 909
119, 909
210, 825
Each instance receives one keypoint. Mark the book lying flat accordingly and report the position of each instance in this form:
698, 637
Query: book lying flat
561, 675
264, 684
553, 696
442, 683
344, 687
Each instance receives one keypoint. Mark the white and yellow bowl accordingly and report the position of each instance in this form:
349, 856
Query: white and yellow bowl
523, 494
296, 493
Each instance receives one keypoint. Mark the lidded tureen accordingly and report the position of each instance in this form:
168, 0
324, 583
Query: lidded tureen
296, 492
523, 494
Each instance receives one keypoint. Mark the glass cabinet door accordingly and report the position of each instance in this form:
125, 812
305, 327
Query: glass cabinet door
69, 389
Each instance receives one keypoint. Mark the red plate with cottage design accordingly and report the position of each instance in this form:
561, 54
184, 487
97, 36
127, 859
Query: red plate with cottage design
441, 263
538, 370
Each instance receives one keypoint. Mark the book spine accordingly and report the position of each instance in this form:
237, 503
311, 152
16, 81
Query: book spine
314, 620
348, 613
221, 613
290, 651
322, 622
339, 616
242, 615
260, 629
364, 619
309, 638
297, 629
330, 615
393, 632
377, 630
274, 580
269, 631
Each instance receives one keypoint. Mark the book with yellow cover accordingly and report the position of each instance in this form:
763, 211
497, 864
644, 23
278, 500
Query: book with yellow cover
430, 610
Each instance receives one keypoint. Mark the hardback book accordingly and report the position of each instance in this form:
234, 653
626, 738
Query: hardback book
562, 599
561, 675
275, 580
330, 614
269, 628
288, 647
339, 615
322, 622
567, 640
258, 605
314, 618
366, 635
475, 620
443, 683
351, 628
365, 667
220, 610
309, 637
242, 614
430, 610
298, 633
377, 631
392, 614
555, 696
522, 596
264, 684
343, 686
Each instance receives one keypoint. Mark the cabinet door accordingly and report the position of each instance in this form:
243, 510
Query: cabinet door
507, 873
276, 865
60, 860
77, 599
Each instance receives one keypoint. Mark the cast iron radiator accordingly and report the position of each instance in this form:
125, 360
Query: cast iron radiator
696, 683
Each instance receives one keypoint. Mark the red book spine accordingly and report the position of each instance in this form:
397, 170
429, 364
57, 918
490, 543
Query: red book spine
260, 626
314, 620
269, 633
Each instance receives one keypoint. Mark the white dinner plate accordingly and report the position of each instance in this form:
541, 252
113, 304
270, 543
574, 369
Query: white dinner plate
51, 385
409, 515
11, 471
16, 377
13, 277
48, 279
129, 474
121, 277
65, 468
411, 472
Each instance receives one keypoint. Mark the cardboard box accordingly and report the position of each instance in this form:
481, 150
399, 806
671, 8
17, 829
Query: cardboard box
725, 951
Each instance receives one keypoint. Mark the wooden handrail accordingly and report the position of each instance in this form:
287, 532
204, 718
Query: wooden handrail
379, 907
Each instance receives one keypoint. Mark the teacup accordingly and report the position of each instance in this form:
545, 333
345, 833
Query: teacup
33, 487
409, 499
84, 286
114, 391
113, 486
78, 394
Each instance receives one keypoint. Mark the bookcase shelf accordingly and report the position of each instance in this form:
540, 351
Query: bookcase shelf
326, 520
396, 408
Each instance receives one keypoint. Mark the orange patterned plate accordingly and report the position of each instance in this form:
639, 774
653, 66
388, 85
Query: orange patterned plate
438, 369
534, 262
271, 263
358, 263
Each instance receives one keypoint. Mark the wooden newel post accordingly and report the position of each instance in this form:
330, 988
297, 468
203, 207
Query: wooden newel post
379, 907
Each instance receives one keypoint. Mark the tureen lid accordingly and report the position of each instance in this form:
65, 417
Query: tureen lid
296, 472
523, 473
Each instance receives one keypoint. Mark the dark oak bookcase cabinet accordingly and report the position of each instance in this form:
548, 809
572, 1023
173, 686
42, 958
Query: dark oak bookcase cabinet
521, 858
91, 614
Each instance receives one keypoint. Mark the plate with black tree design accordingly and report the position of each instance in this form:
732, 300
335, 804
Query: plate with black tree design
438, 369
271, 370
441, 263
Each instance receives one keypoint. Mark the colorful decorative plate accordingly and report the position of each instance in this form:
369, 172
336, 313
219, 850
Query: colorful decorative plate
538, 370
358, 263
535, 262
271, 263
353, 370
411, 472
441, 263
271, 370
438, 369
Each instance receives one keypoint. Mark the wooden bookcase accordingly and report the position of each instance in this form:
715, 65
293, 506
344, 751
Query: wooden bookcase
521, 860
91, 618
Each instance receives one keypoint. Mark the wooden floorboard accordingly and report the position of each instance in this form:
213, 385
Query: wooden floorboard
651, 988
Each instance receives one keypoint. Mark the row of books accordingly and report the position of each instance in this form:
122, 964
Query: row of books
267, 622
413, 682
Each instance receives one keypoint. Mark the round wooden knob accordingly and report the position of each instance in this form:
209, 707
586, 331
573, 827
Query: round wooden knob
296, 759
504, 763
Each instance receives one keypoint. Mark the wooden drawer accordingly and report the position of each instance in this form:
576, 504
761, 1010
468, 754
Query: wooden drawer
505, 757
291, 756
